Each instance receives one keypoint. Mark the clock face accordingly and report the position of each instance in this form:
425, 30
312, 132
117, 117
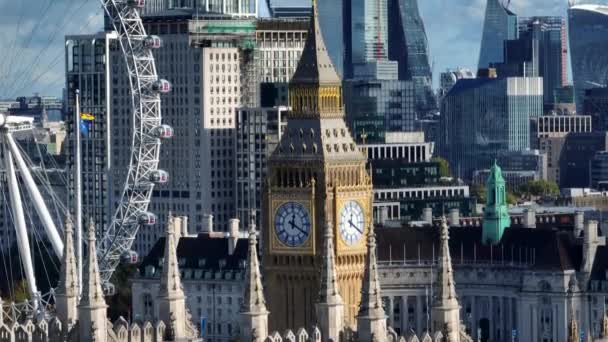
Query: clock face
292, 224
352, 223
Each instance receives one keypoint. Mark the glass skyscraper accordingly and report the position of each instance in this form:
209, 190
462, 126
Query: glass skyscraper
588, 34
368, 30
550, 33
500, 24
483, 117
408, 45
375, 107
407, 40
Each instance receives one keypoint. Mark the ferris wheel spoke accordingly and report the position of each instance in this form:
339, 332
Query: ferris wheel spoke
19, 220
39, 205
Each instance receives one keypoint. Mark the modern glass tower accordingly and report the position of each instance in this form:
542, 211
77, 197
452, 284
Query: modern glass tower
483, 117
500, 24
369, 31
550, 33
588, 34
407, 39
408, 45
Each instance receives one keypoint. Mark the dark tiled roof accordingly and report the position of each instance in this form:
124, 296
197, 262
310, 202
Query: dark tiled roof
193, 249
542, 249
600, 264
470, 83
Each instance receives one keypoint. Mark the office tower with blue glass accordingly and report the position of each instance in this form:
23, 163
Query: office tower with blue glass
550, 35
408, 45
500, 25
588, 35
483, 117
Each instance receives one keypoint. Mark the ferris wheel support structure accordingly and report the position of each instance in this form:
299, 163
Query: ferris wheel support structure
23, 241
148, 131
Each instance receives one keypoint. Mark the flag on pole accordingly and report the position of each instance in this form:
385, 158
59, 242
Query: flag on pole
85, 123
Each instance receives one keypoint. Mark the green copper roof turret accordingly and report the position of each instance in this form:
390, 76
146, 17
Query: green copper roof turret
495, 216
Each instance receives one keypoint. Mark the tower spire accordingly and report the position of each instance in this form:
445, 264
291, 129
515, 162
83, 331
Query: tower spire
446, 310
254, 315
315, 72
371, 320
329, 306
171, 298
92, 310
66, 299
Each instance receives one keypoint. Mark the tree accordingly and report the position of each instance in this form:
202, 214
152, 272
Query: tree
538, 188
120, 303
20, 291
444, 167
479, 192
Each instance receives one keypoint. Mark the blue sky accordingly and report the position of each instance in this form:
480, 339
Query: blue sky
454, 27
31, 41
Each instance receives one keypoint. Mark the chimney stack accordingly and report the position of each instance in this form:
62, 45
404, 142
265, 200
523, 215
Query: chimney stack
383, 215
579, 223
427, 215
207, 224
454, 218
233, 235
529, 218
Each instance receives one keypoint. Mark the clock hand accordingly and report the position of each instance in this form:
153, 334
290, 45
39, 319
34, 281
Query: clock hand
301, 230
354, 226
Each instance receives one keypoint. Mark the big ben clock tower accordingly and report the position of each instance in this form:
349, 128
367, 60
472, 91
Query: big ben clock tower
317, 178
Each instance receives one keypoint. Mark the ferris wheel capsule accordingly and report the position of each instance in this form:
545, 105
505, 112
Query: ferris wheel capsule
147, 219
153, 42
159, 176
109, 289
129, 258
163, 132
136, 3
162, 86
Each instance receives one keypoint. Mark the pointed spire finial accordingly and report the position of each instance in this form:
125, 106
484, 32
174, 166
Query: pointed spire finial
371, 319
170, 284
253, 312
446, 309
315, 66
254, 292
328, 291
371, 301
92, 294
66, 300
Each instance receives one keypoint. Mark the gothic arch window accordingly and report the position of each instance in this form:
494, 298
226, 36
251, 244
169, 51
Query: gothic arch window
148, 305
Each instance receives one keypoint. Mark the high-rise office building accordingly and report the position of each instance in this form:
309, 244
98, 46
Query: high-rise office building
539, 51
206, 59
407, 40
247, 8
369, 34
258, 131
279, 44
500, 24
289, 8
551, 133
484, 116
449, 78
332, 14
88, 70
375, 107
588, 35
596, 104
408, 45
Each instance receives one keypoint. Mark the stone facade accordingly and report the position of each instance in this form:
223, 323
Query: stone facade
86, 320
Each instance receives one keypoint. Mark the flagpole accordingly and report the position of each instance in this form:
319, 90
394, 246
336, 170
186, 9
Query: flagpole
78, 190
